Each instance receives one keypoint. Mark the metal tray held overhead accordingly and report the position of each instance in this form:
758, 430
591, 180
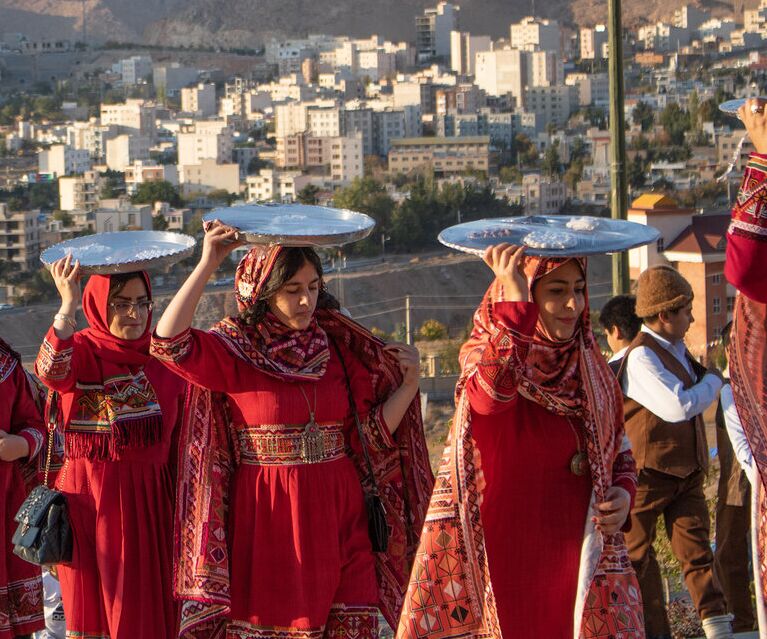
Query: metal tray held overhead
730, 107
550, 235
122, 251
294, 224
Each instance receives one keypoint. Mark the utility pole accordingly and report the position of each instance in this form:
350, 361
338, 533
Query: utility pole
618, 176
408, 328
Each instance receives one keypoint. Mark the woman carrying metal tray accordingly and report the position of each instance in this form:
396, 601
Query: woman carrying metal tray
277, 474
120, 409
523, 534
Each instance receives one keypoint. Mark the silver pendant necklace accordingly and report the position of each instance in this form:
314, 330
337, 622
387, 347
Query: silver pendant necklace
579, 464
312, 448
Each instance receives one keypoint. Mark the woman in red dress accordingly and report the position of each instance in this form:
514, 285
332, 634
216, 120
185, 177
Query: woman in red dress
119, 410
273, 534
21, 439
522, 539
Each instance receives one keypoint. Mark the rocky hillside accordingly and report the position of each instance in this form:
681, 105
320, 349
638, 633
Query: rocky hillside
249, 22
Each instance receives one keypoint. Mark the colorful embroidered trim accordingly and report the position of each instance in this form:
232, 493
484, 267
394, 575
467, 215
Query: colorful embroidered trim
21, 606
749, 215
53, 364
173, 349
281, 445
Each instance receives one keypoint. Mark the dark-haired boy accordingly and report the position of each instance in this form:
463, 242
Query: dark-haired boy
619, 320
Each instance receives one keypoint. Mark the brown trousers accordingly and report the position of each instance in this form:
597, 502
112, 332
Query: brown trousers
732, 560
683, 506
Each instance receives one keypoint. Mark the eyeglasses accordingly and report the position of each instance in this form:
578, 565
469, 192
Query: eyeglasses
124, 308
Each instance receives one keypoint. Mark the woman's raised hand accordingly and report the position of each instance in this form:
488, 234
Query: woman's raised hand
505, 260
219, 242
753, 115
409, 362
66, 276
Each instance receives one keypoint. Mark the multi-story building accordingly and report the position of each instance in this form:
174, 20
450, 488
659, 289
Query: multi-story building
80, 192
20, 237
417, 92
433, 31
208, 175
141, 171
593, 41
545, 69
275, 186
360, 121
346, 159
500, 127
593, 88
169, 79
120, 214
694, 244
124, 150
463, 51
132, 116
663, 38
341, 158
689, 17
91, 136
501, 72
534, 34
199, 100
543, 195
134, 69
445, 156
61, 159
552, 104
205, 140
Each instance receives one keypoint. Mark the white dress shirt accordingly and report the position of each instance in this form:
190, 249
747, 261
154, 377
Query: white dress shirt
618, 355
735, 430
650, 383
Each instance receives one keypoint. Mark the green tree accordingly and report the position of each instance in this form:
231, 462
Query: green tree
693, 111
552, 165
367, 195
675, 122
308, 194
574, 175
432, 330
636, 173
157, 191
159, 222
510, 175
64, 217
643, 115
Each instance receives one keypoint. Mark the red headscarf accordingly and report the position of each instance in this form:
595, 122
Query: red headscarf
271, 346
130, 353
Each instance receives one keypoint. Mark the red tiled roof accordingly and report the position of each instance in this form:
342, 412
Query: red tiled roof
705, 236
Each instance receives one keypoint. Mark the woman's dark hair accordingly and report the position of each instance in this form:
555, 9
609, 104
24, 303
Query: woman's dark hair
288, 263
118, 281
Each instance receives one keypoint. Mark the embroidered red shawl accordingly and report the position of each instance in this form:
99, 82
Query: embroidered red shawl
208, 457
116, 406
450, 592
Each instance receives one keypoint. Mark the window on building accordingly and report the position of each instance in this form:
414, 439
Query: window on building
661, 245
716, 305
730, 303
716, 278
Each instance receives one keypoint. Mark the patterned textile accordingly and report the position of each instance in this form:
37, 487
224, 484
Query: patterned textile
282, 444
21, 607
344, 622
8, 360
53, 364
209, 455
749, 215
450, 592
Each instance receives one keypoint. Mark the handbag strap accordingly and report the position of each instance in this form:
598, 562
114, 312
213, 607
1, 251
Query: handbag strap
51, 410
353, 405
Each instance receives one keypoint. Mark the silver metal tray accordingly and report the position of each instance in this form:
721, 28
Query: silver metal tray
730, 107
123, 251
550, 235
294, 224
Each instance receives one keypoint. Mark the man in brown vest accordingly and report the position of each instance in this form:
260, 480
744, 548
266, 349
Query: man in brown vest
666, 393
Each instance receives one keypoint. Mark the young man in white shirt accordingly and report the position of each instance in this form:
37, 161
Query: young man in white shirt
619, 320
666, 392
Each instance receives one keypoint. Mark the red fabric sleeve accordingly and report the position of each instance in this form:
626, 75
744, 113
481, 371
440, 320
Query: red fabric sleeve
203, 359
493, 386
25, 416
625, 476
56, 364
747, 235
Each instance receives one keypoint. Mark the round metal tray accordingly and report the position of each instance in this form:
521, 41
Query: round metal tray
730, 107
123, 251
294, 224
550, 235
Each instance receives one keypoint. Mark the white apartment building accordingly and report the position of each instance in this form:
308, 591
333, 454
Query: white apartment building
346, 159
20, 237
501, 72
61, 159
663, 38
91, 136
199, 100
205, 140
275, 186
593, 41
551, 104
593, 88
207, 175
171, 78
133, 116
416, 92
690, 17
534, 34
543, 195
324, 121
80, 192
376, 64
143, 171
463, 51
433, 31
134, 69
120, 215
123, 150
545, 69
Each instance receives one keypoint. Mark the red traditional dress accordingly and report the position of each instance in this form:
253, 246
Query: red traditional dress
21, 586
273, 537
508, 548
119, 410
744, 269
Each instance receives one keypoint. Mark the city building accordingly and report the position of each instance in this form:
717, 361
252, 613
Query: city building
169, 79
132, 116
501, 72
123, 150
205, 140
208, 175
433, 31
445, 156
463, 50
80, 192
271, 185
60, 159
593, 41
545, 69
120, 215
199, 100
535, 34
141, 171
543, 195
552, 103
20, 237
133, 70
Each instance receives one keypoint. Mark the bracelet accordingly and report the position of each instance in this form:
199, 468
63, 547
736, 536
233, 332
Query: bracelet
66, 318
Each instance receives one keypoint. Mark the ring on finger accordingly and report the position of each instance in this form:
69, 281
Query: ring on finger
757, 108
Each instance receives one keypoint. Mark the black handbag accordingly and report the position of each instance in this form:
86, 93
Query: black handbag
44, 536
378, 528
